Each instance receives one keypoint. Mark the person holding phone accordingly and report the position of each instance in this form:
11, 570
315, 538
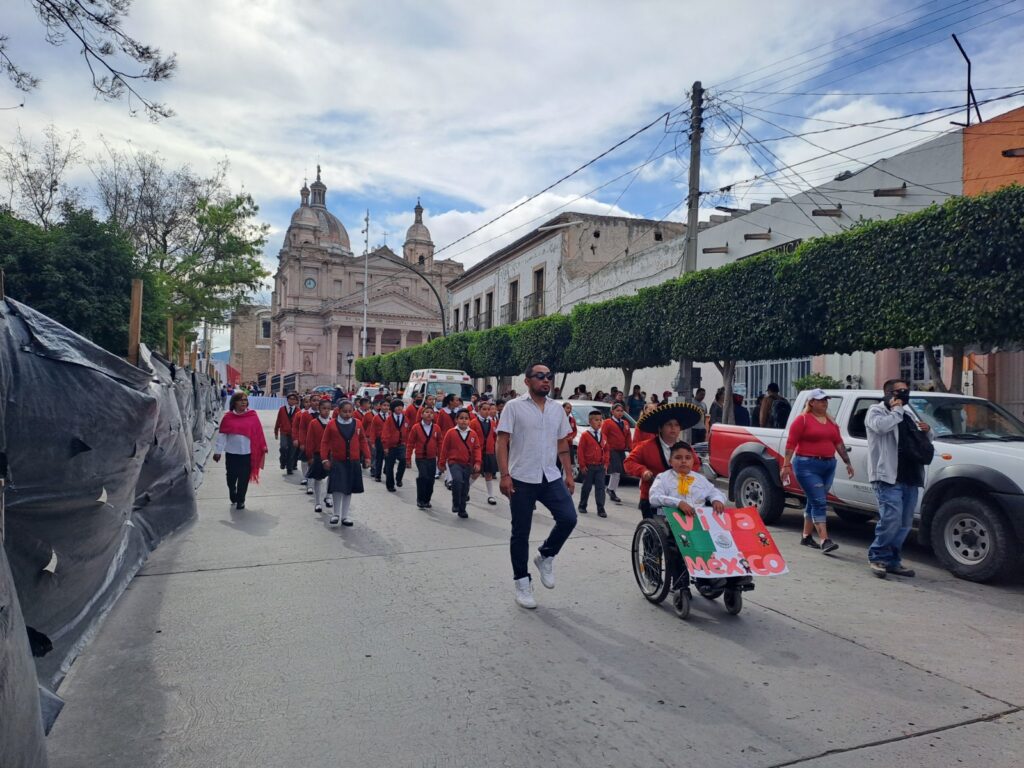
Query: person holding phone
895, 474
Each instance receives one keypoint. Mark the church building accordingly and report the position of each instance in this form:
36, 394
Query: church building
317, 302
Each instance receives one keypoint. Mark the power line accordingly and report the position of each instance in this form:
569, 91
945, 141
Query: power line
664, 116
872, 93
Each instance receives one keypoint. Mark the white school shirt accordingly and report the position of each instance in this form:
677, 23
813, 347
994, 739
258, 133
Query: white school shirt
665, 491
534, 436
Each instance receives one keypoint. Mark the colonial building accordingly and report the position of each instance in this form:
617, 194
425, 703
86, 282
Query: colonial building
318, 298
250, 341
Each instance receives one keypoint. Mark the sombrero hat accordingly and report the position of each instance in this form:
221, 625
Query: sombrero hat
687, 414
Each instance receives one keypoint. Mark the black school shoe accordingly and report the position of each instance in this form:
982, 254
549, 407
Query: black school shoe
240, 505
582, 510
602, 513
463, 513
614, 497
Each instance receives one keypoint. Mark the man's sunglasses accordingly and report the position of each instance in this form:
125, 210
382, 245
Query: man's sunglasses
542, 376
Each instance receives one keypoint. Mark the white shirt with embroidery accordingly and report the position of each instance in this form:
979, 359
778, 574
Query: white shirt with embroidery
665, 491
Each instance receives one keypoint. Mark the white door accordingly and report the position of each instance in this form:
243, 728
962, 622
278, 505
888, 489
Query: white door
856, 492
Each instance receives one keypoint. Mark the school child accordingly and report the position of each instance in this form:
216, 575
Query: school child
428, 405
680, 487
240, 438
312, 441
461, 455
283, 432
412, 410
394, 436
425, 443
617, 435
445, 422
574, 427
593, 462
380, 415
299, 427
343, 448
486, 428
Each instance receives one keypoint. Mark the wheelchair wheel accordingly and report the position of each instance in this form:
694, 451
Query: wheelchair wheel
681, 603
733, 601
654, 561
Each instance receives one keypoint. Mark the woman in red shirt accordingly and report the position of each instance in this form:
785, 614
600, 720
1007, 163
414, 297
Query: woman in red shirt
815, 439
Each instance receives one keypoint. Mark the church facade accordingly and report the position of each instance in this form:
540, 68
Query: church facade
318, 298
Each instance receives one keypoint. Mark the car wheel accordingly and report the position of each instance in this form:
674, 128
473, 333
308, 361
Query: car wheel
754, 488
971, 539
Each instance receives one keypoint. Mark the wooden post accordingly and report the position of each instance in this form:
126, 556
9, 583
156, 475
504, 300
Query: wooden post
193, 358
181, 352
170, 339
135, 323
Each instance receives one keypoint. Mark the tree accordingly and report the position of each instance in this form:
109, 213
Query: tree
34, 175
79, 273
96, 26
202, 238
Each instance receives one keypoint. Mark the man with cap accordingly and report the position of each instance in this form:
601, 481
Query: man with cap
651, 457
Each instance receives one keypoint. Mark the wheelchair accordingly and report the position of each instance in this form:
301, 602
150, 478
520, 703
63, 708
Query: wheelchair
660, 571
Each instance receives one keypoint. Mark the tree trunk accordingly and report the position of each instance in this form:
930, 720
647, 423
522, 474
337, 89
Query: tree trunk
627, 387
956, 384
728, 370
934, 372
561, 388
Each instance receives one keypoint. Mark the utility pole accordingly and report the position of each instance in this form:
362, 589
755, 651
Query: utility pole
366, 275
685, 374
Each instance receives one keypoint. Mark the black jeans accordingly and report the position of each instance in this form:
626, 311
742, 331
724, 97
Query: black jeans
289, 453
377, 462
593, 478
555, 496
426, 468
460, 486
394, 456
238, 466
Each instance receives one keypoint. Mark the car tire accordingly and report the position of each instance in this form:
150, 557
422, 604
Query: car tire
972, 539
754, 488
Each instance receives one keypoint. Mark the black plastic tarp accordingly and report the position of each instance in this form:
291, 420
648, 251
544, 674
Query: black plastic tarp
103, 459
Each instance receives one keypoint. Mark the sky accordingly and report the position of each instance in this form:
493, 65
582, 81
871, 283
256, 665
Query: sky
474, 107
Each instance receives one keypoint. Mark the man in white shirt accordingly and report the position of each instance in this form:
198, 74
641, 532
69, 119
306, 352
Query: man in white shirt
533, 437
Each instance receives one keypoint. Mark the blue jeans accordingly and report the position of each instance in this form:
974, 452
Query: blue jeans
555, 496
896, 504
815, 477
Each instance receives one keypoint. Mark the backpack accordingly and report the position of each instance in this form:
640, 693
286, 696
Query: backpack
778, 416
914, 444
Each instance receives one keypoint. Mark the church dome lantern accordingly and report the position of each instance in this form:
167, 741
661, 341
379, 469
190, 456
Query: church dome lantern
418, 248
313, 224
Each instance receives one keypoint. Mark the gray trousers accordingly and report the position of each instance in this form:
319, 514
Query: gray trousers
593, 478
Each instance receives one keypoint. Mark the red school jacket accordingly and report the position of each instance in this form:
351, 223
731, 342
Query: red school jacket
373, 431
333, 448
590, 452
299, 425
445, 421
314, 436
424, 447
393, 434
283, 425
455, 450
488, 442
618, 438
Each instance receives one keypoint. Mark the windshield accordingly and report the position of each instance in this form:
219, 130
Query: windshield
968, 419
441, 388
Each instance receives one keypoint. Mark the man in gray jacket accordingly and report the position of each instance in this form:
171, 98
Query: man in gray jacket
895, 477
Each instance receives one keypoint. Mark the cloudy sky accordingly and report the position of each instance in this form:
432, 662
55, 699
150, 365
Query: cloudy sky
474, 106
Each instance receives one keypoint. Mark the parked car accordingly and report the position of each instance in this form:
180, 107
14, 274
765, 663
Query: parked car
971, 510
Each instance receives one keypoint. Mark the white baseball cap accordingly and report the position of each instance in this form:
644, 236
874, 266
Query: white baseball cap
817, 394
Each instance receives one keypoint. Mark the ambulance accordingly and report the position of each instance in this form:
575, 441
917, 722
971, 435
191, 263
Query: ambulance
438, 382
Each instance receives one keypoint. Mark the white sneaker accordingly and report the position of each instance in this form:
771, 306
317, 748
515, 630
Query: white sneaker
524, 593
334, 520
546, 566
328, 502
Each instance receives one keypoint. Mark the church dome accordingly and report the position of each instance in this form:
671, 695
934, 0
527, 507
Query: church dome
418, 232
313, 223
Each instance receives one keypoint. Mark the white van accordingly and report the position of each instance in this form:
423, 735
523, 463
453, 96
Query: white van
438, 382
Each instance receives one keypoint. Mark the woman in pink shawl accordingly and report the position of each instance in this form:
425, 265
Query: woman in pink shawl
241, 438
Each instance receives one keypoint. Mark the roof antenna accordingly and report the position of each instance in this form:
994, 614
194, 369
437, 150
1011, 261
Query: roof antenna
971, 99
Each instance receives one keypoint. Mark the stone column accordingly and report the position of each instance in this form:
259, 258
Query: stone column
332, 351
405, 339
377, 334
357, 340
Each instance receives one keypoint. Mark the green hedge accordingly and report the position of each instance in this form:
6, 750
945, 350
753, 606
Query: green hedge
951, 274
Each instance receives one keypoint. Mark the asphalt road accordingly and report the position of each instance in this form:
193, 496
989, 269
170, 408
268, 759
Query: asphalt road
266, 638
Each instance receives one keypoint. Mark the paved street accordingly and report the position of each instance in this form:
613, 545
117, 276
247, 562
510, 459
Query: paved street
265, 638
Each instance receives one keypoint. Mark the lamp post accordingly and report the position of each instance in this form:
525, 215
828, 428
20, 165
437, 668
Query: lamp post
349, 357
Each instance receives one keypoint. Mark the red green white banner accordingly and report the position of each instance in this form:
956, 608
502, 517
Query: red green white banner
722, 544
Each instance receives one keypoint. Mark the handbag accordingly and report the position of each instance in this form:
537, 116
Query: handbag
914, 444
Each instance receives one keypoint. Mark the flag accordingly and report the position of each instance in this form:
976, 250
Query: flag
734, 542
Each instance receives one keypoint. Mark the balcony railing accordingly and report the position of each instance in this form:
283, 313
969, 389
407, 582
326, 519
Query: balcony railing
482, 322
533, 306
509, 313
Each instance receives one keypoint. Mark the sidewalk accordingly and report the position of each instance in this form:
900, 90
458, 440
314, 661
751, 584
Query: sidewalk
265, 638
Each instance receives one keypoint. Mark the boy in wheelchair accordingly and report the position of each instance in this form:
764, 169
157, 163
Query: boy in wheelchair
682, 488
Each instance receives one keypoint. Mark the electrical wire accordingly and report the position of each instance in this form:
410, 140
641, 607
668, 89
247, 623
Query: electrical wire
874, 93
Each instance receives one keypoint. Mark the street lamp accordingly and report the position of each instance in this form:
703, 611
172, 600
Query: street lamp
349, 357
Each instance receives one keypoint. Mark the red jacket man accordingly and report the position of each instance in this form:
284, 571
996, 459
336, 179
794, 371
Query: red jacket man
424, 447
